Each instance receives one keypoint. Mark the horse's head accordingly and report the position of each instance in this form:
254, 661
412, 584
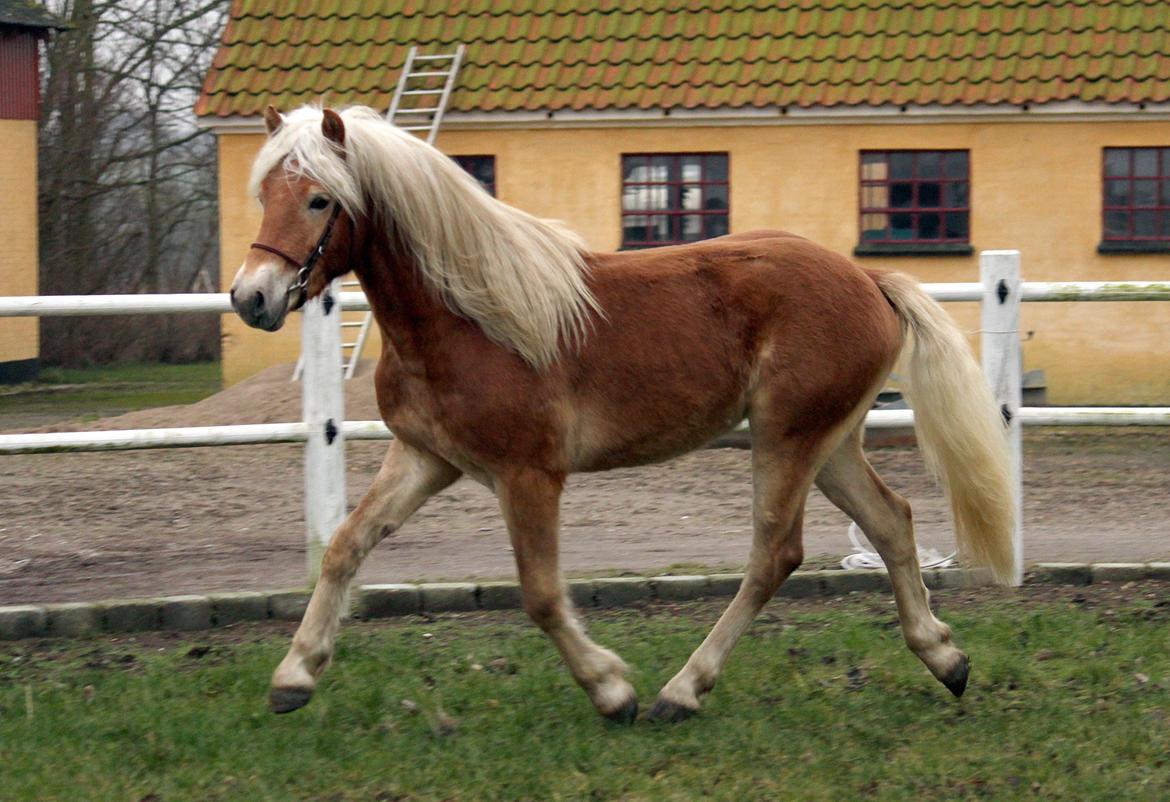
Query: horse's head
303, 236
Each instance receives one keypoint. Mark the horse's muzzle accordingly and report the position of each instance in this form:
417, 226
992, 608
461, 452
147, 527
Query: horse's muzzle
260, 296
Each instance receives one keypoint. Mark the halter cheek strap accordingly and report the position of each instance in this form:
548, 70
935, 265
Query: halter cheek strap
306, 267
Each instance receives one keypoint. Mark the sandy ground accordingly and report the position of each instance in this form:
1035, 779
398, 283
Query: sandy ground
91, 526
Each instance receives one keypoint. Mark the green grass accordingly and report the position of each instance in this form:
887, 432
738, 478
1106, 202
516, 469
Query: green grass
87, 393
819, 702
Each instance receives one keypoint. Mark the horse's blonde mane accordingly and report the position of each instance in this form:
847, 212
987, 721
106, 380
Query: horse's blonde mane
520, 278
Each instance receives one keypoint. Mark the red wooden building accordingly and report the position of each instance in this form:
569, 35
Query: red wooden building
23, 25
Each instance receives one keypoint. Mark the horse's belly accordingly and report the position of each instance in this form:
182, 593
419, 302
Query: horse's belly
609, 437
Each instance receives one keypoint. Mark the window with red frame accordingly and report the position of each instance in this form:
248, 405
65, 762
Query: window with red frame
669, 199
482, 169
915, 197
1137, 195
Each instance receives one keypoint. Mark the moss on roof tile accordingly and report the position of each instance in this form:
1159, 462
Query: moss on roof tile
561, 54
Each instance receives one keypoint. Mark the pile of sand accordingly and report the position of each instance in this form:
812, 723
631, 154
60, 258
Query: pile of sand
268, 397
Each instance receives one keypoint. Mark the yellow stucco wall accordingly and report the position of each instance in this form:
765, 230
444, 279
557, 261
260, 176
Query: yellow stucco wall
18, 233
1035, 186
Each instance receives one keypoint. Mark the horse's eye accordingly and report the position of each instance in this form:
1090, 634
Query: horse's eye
318, 203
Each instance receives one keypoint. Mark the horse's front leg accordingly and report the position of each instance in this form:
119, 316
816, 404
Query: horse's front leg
530, 501
407, 478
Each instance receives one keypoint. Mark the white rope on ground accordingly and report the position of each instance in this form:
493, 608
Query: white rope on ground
863, 557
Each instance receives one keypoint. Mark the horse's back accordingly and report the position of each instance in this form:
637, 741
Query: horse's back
691, 333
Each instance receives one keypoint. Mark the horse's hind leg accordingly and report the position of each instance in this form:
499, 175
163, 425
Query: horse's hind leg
408, 477
530, 502
782, 472
848, 480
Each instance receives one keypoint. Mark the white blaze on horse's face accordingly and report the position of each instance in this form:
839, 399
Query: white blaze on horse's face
265, 288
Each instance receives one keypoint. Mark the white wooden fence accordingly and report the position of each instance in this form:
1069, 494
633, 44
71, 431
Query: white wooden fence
324, 429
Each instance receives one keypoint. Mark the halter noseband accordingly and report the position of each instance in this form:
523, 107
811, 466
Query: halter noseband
307, 266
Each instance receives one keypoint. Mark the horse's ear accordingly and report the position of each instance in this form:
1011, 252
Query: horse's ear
333, 127
272, 120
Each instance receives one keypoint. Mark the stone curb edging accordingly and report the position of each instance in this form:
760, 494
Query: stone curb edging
196, 612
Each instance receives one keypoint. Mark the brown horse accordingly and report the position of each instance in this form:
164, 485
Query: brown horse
515, 356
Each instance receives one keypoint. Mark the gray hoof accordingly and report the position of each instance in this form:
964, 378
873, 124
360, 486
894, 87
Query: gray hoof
956, 680
626, 714
666, 712
286, 700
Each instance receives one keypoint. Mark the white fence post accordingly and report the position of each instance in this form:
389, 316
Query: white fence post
1000, 347
323, 403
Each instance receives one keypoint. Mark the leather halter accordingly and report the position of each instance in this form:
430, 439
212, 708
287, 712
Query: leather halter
306, 267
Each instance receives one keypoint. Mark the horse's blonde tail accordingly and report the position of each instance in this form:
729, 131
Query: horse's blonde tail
959, 427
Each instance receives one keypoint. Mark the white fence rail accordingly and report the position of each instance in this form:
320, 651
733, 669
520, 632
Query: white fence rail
324, 429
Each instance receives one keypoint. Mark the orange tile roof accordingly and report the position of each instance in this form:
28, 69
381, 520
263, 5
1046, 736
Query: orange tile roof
551, 55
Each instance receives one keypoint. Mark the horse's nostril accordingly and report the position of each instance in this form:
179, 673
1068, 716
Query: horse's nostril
259, 302
232, 295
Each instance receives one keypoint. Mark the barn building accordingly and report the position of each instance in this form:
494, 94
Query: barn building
22, 26
909, 135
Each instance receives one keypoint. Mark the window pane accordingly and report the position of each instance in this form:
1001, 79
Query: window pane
691, 196
692, 227
660, 228
901, 165
1165, 161
634, 228
955, 164
660, 168
875, 196
1117, 224
485, 170
692, 168
929, 164
716, 167
715, 225
633, 168
715, 197
873, 226
957, 226
1165, 232
633, 197
1116, 161
657, 197
1145, 224
1145, 193
873, 167
955, 194
901, 196
901, 226
1145, 162
1166, 191
929, 225
929, 194
481, 168
1117, 193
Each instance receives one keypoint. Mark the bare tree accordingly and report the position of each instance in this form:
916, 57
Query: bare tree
127, 180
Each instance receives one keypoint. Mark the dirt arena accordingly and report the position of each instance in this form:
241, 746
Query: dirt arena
92, 526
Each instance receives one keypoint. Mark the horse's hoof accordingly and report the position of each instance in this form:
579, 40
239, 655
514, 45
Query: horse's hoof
286, 700
626, 714
956, 679
667, 712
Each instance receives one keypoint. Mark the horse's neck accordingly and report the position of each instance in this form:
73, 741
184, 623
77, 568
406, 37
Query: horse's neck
409, 314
